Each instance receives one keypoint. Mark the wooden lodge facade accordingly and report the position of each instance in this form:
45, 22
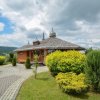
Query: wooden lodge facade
44, 47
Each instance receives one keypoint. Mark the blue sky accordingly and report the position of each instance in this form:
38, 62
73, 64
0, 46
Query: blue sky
7, 25
76, 21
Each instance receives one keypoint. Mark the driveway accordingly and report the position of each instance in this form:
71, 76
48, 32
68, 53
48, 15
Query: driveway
11, 79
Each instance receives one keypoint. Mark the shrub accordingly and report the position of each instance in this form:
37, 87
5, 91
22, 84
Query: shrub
14, 61
2, 60
52, 61
88, 50
66, 62
92, 69
72, 83
11, 56
27, 63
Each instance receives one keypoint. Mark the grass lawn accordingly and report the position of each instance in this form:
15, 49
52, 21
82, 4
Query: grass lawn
46, 88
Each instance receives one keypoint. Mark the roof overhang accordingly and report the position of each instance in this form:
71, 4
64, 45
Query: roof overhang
43, 47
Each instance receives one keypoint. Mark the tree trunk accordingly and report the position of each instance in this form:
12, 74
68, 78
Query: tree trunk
35, 72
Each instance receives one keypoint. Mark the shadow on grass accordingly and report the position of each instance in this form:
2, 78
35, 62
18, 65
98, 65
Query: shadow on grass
80, 96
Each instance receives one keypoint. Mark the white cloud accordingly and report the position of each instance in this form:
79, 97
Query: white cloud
2, 25
72, 20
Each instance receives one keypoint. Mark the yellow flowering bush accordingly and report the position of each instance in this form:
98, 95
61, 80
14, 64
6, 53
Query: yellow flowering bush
52, 61
72, 61
72, 83
69, 61
2, 60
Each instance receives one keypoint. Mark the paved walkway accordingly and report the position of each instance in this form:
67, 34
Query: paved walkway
11, 79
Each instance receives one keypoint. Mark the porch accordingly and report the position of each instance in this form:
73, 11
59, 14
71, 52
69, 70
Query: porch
23, 55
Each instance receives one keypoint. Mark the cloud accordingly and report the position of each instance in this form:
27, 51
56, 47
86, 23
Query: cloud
2, 25
76, 21
84, 10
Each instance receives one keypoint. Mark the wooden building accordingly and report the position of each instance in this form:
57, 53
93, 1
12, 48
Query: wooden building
44, 47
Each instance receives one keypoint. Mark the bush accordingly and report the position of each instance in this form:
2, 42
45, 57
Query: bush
52, 61
11, 56
2, 60
27, 63
72, 83
70, 61
14, 61
88, 50
92, 69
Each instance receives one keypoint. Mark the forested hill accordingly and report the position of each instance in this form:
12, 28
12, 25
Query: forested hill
4, 50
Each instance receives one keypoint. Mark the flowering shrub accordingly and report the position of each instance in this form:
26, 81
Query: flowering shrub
2, 60
72, 83
52, 61
70, 61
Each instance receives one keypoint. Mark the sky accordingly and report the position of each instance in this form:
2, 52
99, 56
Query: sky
76, 21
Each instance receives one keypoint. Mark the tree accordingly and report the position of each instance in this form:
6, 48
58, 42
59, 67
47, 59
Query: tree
92, 69
27, 63
35, 64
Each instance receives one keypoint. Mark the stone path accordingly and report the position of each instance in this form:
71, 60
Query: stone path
11, 79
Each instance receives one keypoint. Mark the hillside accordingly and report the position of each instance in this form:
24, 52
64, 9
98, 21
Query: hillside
4, 50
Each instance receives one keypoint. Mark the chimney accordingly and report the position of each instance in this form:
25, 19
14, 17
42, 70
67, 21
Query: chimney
36, 43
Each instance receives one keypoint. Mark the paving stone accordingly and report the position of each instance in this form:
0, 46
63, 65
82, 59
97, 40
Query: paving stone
11, 79
6, 82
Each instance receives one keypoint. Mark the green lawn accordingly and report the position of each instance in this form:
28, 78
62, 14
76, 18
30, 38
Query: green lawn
46, 88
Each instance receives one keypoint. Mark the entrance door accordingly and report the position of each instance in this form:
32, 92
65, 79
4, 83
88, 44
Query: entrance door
27, 53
